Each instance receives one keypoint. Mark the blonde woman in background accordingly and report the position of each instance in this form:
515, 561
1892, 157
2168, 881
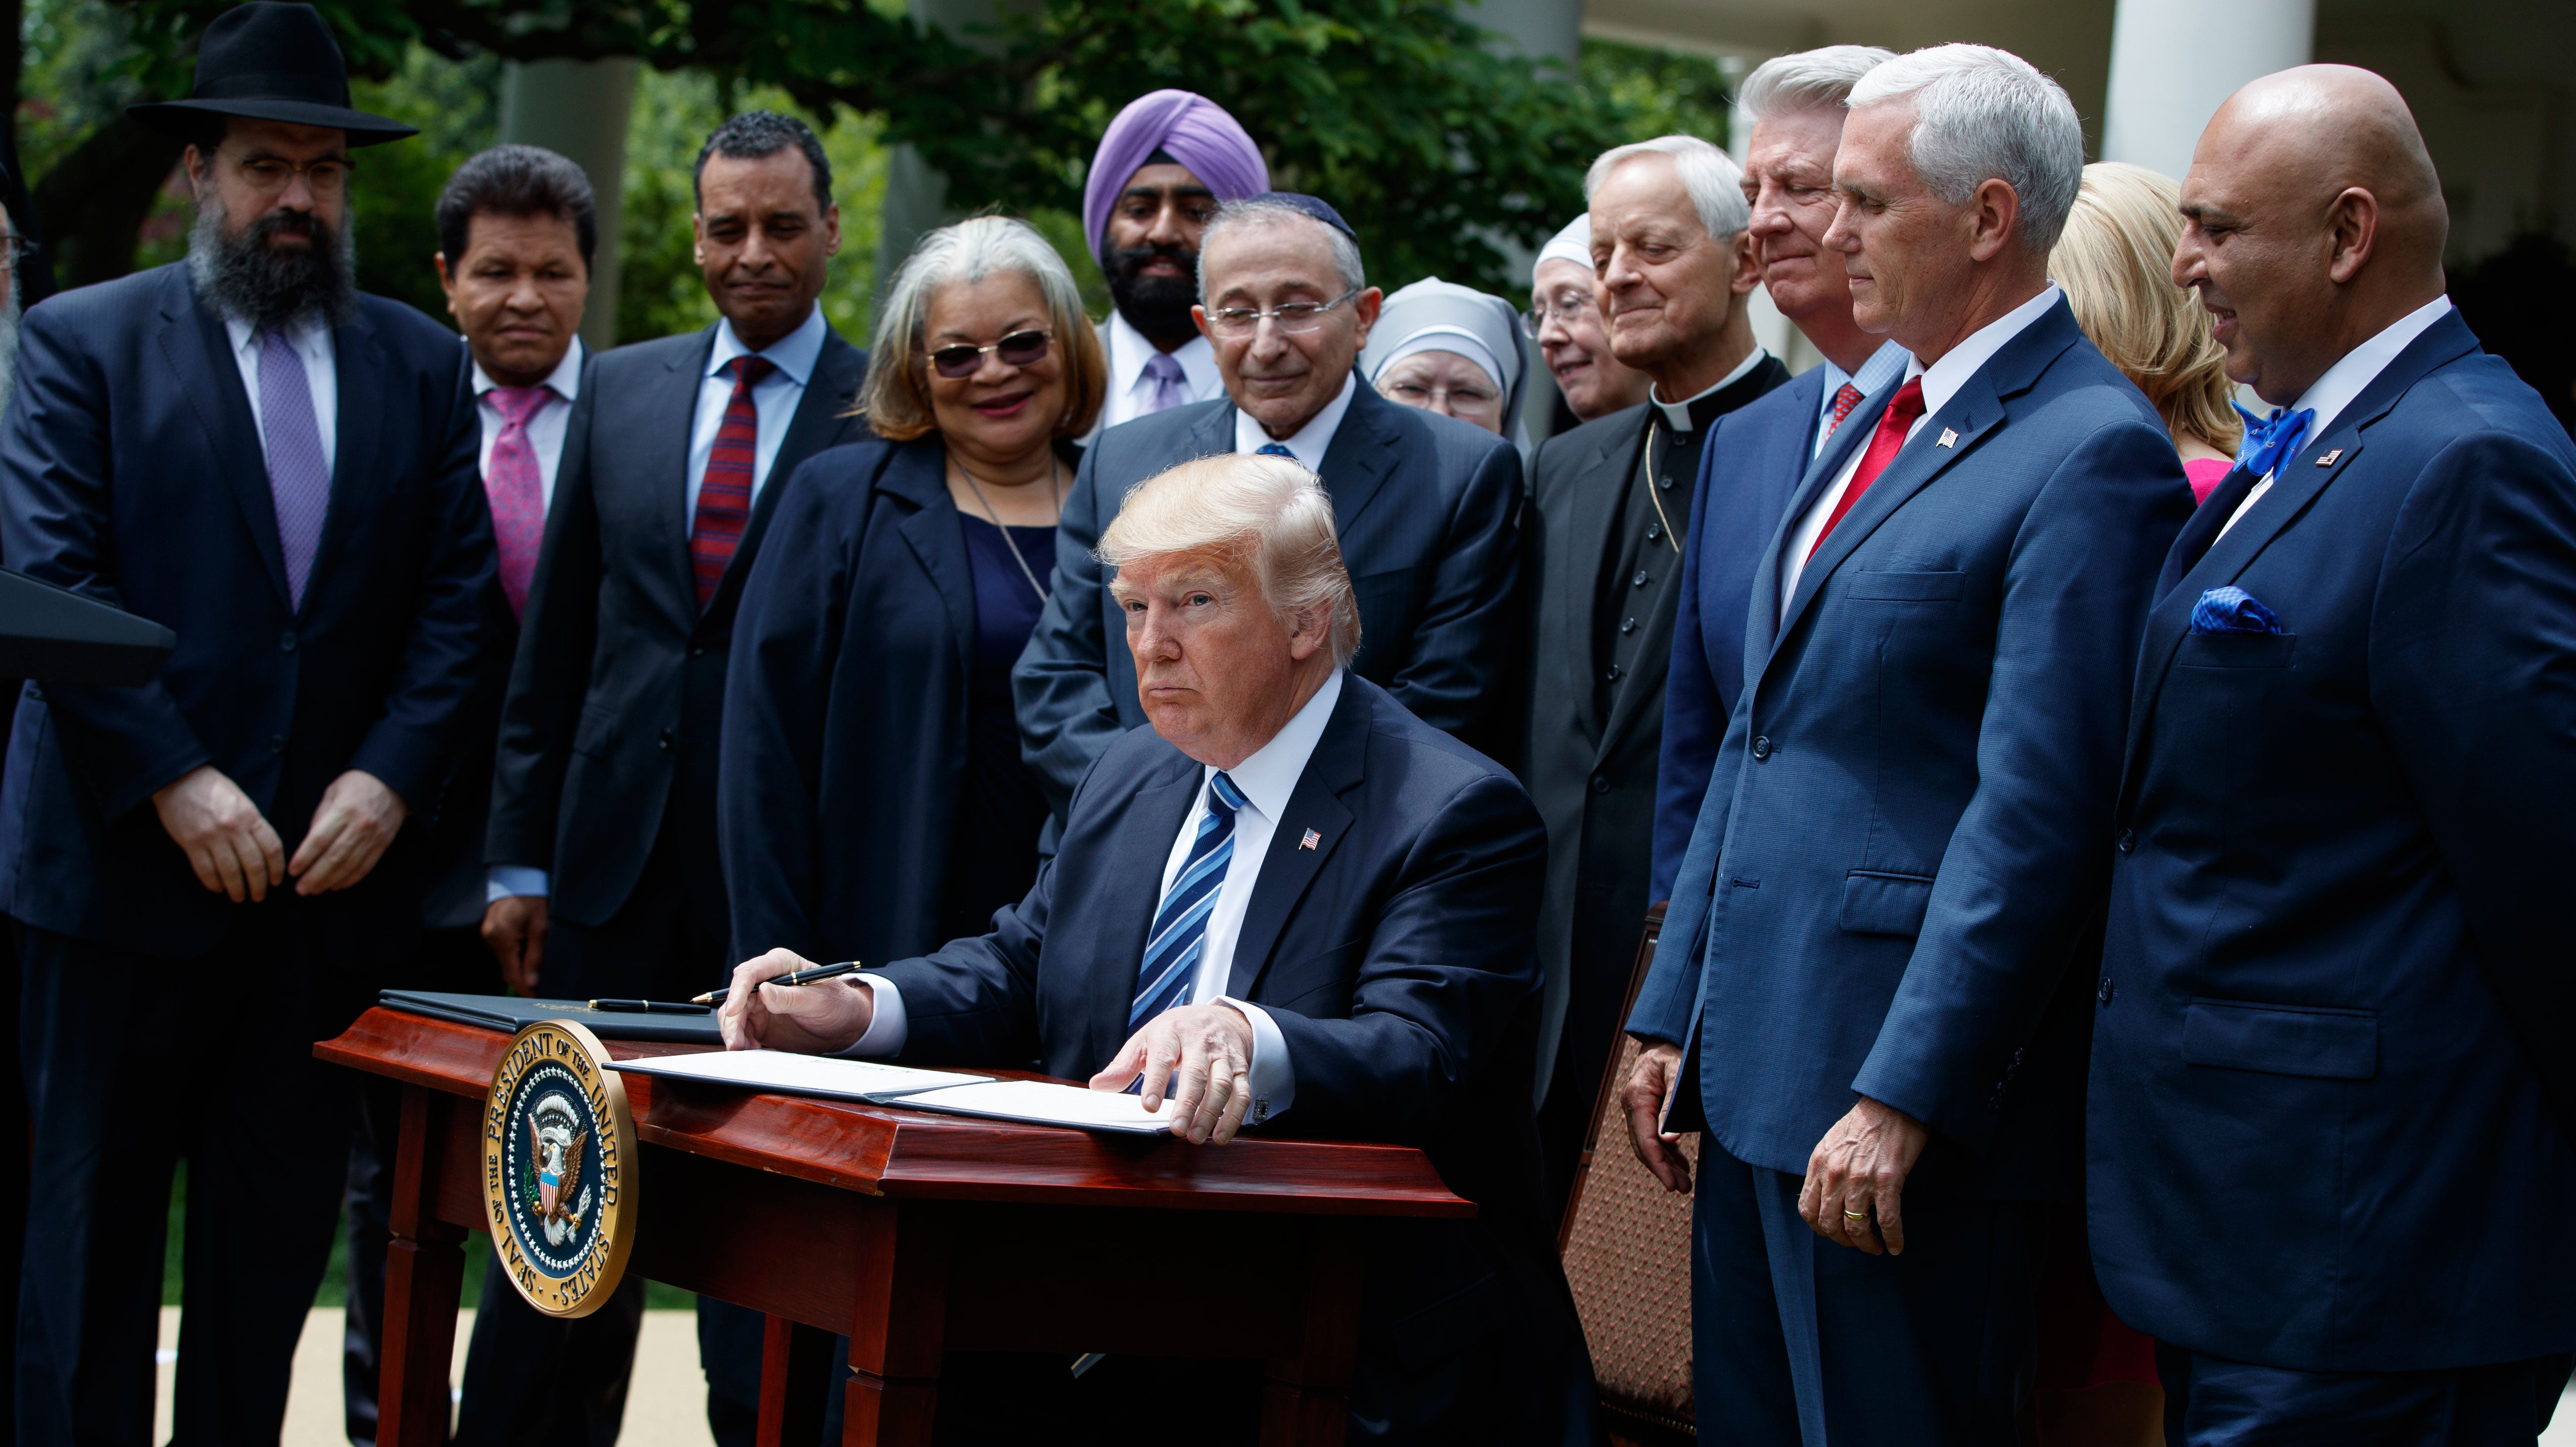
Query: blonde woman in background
2115, 261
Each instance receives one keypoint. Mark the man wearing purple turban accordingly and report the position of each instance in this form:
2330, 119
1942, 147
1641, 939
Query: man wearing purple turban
1163, 166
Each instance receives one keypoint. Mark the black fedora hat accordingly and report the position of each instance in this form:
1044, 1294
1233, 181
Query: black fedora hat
271, 62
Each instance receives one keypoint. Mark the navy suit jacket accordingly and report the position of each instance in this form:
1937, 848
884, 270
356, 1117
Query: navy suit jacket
132, 471
845, 724
2314, 1139
1753, 461
1426, 509
617, 691
1395, 956
1906, 836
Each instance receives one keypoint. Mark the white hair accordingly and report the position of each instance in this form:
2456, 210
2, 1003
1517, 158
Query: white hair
1984, 114
1713, 181
1267, 513
1236, 215
1808, 80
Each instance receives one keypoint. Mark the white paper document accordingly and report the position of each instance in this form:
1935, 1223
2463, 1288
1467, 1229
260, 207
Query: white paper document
788, 1073
1040, 1103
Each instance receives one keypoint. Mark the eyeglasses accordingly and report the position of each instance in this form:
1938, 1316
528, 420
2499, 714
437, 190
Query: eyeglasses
328, 176
1292, 318
19, 248
1563, 307
1019, 349
1414, 394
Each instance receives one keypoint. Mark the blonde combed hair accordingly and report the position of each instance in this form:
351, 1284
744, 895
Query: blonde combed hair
1266, 513
896, 400
2115, 261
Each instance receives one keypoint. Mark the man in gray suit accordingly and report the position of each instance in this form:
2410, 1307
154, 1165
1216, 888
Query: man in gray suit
603, 836
1611, 501
1423, 504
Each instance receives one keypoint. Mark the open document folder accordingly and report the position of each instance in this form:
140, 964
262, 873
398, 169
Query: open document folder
1033, 1101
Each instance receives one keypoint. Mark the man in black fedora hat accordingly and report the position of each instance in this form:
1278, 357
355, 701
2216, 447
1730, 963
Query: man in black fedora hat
208, 873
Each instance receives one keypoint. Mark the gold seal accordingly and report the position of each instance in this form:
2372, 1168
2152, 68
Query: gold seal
559, 1169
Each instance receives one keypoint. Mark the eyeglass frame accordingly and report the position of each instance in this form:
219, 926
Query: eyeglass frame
18, 248
1535, 320
1228, 318
1046, 336
341, 168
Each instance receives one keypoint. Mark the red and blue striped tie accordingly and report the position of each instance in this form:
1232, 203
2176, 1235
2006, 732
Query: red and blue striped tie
724, 494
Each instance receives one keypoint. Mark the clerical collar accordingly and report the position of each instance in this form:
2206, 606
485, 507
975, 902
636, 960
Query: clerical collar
1677, 415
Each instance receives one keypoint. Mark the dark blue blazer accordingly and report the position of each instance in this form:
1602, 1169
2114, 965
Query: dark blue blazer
845, 723
1751, 464
1904, 843
1426, 509
131, 470
1396, 958
617, 690
2339, 897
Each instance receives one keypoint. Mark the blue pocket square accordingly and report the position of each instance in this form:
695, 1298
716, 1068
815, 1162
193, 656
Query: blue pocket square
2232, 610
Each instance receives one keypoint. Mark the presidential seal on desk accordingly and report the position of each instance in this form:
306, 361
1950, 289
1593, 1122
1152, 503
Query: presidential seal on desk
559, 1168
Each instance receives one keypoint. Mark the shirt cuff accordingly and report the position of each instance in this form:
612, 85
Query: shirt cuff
1274, 1077
887, 1028
506, 880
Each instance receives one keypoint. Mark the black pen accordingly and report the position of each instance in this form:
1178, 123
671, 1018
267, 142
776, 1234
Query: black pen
645, 1007
801, 977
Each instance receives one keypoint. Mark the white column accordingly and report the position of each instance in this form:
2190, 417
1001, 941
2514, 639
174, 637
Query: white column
578, 109
2174, 62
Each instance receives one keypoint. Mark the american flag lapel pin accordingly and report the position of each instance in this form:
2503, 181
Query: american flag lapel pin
1949, 437
2329, 459
1311, 840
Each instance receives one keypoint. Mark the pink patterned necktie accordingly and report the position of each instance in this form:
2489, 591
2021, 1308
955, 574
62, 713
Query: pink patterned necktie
516, 489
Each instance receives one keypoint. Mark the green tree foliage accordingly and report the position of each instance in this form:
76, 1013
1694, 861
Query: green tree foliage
1660, 92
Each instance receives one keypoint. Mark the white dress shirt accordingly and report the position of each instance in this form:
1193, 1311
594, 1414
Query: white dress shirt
1941, 382
773, 397
1130, 389
1677, 415
1268, 779
312, 342
545, 430
1882, 369
2344, 381
1311, 441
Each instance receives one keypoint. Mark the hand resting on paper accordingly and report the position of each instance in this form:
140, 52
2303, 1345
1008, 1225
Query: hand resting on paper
1209, 1047
819, 1019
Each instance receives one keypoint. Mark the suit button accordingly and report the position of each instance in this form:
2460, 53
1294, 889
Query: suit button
1611, 673
1639, 580
2105, 991
1600, 784
1627, 625
286, 642
2128, 841
666, 741
1654, 532
697, 650
1665, 483
1762, 747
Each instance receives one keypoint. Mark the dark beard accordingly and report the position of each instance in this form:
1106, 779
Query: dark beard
268, 286
1157, 307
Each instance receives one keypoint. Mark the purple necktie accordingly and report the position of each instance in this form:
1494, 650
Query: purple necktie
299, 477
516, 489
1165, 374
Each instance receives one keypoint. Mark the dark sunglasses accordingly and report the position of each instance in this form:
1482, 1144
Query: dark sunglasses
1019, 349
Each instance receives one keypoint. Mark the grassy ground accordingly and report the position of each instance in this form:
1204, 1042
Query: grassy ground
335, 1281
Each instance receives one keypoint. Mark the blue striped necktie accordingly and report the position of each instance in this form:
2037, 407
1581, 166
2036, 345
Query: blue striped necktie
1172, 951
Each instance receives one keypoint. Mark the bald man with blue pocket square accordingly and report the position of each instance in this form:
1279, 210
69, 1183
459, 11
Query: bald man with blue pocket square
2331, 1097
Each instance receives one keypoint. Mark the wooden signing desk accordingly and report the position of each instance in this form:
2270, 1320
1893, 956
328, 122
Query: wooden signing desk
910, 1232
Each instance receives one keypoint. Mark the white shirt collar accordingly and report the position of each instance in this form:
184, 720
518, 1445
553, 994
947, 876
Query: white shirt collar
1129, 352
793, 354
1310, 442
306, 334
1677, 414
1269, 777
2358, 368
565, 378
1943, 379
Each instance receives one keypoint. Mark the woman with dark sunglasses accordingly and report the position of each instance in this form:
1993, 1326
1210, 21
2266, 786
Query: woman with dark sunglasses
873, 804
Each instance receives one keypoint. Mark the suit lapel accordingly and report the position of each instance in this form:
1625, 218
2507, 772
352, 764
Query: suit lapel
1143, 845
1290, 867
918, 473
360, 363
1762, 610
673, 409
2296, 483
817, 424
1362, 453
197, 347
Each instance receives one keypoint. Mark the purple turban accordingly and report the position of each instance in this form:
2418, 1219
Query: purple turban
1193, 130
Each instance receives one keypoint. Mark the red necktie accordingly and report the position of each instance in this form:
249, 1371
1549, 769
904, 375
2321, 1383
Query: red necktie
724, 494
1846, 397
1884, 444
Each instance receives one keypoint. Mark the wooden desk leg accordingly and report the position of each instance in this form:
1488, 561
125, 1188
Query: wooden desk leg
777, 1339
898, 1325
424, 1270
1307, 1400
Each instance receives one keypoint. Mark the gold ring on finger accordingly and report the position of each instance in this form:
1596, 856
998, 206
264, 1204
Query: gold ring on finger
1850, 1215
